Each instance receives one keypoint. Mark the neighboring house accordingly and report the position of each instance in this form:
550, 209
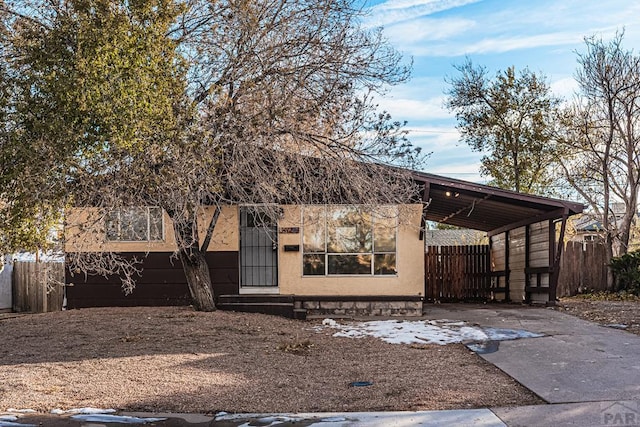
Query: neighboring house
587, 229
322, 259
590, 229
457, 237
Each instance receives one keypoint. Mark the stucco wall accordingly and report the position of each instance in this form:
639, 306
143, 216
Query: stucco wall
84, 232
410, 263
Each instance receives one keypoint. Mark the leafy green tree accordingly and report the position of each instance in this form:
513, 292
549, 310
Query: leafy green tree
177, 104
510, 119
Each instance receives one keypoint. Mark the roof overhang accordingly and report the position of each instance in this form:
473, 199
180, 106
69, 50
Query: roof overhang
482, 207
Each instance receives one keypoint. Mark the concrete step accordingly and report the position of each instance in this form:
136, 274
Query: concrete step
284, 309
255, 298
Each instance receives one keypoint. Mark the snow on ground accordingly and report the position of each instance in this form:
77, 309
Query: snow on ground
441, 331
85, 411
119, 419
87, 415
476, 417
9, 421
12, 424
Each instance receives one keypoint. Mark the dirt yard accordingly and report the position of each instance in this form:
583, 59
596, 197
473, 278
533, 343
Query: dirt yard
603, 310
175, 359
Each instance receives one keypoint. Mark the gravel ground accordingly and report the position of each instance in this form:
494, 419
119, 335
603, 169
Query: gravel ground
604, 312
179, 360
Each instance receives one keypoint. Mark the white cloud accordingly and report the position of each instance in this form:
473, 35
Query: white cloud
419, 31
393, 12
564, 87
415, 109
513, 26
499, 44
435, 138
471, 169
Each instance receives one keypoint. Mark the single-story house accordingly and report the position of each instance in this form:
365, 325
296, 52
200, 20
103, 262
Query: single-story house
329, 258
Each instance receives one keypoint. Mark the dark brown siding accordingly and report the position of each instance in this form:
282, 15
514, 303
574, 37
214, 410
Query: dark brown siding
162, 283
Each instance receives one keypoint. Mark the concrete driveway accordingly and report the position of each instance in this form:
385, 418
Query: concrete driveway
575, 360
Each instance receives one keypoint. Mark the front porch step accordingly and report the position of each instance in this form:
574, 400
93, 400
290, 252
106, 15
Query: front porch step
278, 305
224, 299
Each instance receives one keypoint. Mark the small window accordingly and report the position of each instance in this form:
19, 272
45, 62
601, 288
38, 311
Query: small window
137, 224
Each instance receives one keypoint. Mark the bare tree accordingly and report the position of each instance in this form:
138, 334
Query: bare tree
198, 103
601, 140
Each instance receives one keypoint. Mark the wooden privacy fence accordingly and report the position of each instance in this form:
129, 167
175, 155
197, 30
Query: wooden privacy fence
583, 266
457, 272
38, 287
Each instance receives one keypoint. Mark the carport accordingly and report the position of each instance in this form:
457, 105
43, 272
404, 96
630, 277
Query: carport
526, 233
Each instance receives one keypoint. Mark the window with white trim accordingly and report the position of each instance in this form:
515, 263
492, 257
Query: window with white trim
344, 240
135, 224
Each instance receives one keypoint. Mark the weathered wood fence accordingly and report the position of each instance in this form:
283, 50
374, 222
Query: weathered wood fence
464, 273
38, 287
583, 266
457, 272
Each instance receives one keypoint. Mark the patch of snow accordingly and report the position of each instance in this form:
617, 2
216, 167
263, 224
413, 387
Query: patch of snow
333, 420
275, 420
121, 419
22, 411
502, 334
9, 421
13, 424
330, 322
617, 326
441, 331
249, 420
85, 411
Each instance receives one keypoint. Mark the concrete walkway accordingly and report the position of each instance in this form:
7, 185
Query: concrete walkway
620, 414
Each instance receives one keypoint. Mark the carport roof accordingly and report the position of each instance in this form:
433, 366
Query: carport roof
482, 207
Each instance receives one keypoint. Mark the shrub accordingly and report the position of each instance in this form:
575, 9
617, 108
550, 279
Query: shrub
626, 272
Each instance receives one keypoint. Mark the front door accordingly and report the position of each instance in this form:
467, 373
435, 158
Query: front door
258, 250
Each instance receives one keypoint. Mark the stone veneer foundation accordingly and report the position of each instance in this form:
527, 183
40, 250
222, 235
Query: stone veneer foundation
362, 308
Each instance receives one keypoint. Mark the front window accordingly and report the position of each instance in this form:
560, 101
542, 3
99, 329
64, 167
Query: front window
136, 224
340, 240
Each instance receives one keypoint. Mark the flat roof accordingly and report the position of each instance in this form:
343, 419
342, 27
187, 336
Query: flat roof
482, 207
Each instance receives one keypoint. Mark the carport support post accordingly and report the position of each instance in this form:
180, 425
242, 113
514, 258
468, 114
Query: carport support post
425, 206
527, 261
555, 273
507, 267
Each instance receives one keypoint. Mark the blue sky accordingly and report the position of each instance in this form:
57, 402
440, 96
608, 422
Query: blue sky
543, 35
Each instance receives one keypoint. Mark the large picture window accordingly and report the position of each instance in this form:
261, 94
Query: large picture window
341, 240
138, 224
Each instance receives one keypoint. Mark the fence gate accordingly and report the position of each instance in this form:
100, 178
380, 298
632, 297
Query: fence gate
457, 272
